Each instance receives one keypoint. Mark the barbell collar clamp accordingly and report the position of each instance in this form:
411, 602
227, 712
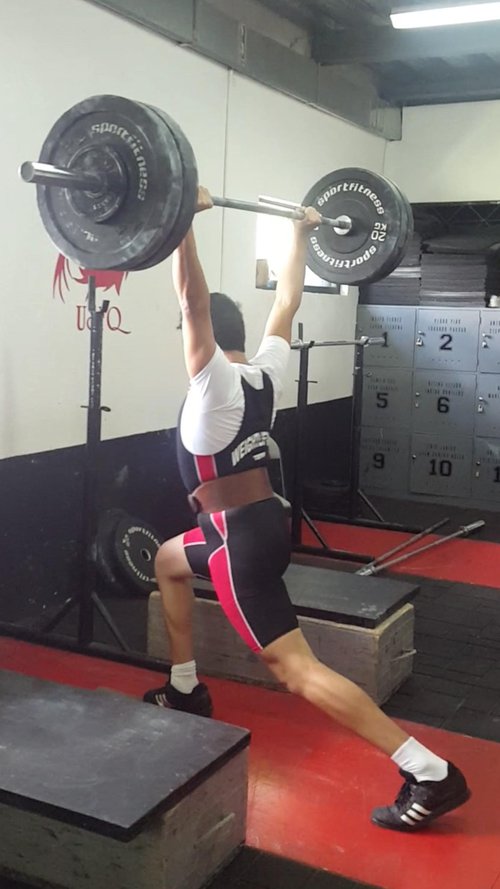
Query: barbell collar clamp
342, 225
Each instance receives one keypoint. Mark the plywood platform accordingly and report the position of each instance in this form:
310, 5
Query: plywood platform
361, 627
129, 795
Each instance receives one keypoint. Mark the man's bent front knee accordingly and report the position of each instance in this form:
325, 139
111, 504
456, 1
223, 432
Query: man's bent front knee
171, 561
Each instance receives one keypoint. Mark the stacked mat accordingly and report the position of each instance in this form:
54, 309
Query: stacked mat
413, 253
461, 269
458, 280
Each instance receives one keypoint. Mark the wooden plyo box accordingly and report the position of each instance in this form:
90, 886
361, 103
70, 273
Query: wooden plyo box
361, 627
97, 790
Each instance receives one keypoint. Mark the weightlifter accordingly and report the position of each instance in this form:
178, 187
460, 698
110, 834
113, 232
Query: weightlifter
242, 542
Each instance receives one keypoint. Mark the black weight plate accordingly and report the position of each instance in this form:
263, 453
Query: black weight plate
375, 245
395, 257
148, 154
189, 193
135, 545
104, 550
410, 224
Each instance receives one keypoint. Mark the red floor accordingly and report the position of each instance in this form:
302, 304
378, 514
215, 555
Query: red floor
312, 785
462, 560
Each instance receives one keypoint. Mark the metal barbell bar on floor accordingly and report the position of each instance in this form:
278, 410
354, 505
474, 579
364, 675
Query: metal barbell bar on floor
380, 561
463, 531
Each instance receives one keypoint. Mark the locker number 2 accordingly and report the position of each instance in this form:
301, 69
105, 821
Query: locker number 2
446, 341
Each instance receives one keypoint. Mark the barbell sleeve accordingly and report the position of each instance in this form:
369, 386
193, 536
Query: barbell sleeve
46, 174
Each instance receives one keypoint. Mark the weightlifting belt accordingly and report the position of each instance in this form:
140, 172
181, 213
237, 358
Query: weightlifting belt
231, 491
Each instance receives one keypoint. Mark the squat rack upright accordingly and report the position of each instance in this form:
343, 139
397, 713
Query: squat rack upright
355, 493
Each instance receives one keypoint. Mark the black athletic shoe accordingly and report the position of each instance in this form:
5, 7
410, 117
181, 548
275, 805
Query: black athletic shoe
418, 804
197, 702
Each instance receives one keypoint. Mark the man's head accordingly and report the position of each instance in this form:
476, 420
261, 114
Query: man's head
227, 322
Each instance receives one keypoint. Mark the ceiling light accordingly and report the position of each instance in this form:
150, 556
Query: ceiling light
436, 16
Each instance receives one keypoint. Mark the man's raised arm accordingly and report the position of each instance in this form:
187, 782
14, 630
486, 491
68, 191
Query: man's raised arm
194, 298
290, 285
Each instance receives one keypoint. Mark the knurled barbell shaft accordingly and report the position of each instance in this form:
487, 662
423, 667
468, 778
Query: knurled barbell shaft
47, 174
344, 223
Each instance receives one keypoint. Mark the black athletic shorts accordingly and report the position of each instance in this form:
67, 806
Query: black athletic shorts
245, 552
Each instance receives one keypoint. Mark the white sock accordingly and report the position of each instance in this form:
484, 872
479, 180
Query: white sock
424, 765
183, 677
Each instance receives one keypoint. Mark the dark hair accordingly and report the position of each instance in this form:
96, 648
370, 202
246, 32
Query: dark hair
227, 322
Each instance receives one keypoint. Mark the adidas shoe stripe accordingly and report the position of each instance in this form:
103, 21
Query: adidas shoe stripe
418, 808
415, 813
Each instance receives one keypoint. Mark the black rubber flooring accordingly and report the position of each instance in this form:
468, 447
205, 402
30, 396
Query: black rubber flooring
456, 678
256, 870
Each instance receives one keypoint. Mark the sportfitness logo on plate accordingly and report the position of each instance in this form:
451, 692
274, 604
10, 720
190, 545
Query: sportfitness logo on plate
67, 274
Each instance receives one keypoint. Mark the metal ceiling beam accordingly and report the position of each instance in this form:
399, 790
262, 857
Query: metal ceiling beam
385, 44
173, 19
347, 13
331, 13
458, 88
197, 24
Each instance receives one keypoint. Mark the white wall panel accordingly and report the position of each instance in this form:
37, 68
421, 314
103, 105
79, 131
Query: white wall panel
448, 153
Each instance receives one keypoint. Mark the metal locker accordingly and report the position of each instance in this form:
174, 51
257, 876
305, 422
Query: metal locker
384, 456
447, 339
488, 405
489, 341
441, 465
398, 325
387, 397
486, 475
443, 402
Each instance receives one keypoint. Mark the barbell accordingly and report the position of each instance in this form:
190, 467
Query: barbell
117, 185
